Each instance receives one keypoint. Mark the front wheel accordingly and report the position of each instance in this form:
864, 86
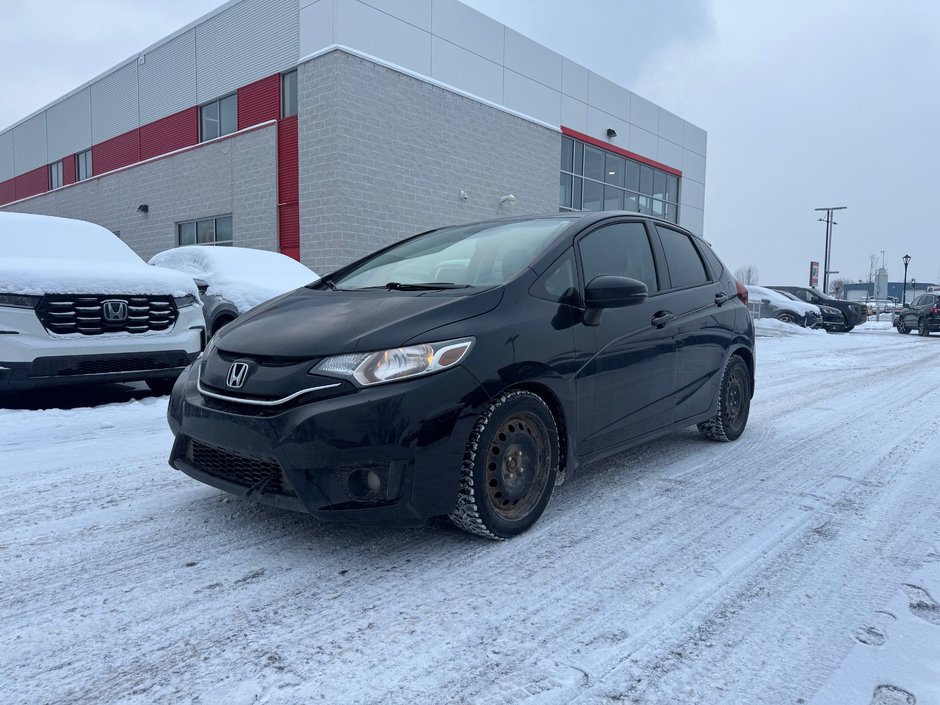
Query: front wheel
902, 328
734, 403
847, 329
509, 467
786, 318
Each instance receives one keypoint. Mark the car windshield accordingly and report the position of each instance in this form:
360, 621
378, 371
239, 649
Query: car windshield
480, 255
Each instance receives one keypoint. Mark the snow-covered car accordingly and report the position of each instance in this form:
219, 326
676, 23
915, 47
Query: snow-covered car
832, 318
232, 280
78, 305
767, 303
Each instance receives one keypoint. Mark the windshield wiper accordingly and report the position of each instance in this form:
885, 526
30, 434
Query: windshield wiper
423, 286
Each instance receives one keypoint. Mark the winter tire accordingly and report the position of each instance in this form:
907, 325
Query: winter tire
922, 329
509, 467
902, 328
734, 403
786, 318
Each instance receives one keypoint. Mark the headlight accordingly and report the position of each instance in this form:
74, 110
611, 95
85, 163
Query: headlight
19, 301
188, 300
399, 363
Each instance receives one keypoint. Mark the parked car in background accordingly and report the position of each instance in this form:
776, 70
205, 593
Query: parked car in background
233, 280
922, 315
767, 303
832, 318
854, 313
78, 305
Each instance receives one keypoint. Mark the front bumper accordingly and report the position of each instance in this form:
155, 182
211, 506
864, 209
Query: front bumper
316, 456
32, 357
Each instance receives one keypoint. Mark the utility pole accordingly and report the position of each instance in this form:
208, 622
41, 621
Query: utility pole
829, 223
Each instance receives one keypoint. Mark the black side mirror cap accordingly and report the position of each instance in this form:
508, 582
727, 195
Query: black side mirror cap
609, 291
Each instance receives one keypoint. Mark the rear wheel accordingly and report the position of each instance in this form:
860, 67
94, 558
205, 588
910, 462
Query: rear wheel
734, 403
509, 467
922, 329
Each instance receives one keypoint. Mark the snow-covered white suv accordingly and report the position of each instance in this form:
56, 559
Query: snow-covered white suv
78, 305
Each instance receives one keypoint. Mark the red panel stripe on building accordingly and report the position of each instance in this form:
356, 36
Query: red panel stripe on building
116, 152
617, 150
68, 170
169, 134
289, 229
32, 182
288, 191
259, 101
7, 191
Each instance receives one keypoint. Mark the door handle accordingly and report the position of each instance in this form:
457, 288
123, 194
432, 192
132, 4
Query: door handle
662, 318
720, 298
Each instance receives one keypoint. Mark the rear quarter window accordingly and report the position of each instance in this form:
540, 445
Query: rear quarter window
682, 259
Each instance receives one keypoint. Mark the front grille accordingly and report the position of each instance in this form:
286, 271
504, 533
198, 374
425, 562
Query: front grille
85, 314
238, 469
66, 366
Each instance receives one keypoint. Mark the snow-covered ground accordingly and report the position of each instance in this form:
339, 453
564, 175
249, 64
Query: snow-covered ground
800, 564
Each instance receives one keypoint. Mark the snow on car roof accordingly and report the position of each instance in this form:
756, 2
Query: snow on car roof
242, 275
40, 254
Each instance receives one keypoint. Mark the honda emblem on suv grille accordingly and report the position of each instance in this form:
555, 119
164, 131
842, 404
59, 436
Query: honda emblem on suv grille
236, 375
114, 310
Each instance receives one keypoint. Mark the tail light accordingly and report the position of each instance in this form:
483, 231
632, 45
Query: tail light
933, 311
742, 291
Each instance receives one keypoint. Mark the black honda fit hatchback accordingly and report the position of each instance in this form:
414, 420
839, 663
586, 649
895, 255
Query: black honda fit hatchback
468, 370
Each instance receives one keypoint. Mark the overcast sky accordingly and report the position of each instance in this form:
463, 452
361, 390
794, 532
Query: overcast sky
806, 104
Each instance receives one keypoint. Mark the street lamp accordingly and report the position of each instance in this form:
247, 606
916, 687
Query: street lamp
829, 223
907, 260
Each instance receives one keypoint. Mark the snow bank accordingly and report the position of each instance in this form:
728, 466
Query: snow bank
244, 276
771, 327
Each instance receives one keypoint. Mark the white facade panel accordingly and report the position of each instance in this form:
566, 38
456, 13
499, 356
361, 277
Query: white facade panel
599, 122
574, 80
7, 170
644, 143
531, 98
531, 59
168, 78
644, 114
243, 44
373, 32
692, 193
465, 70
608, 96
693, 166
670, 126
414, 12
669, 153
472, 30
692, 218
574, 113
29, 144
114, 103
694, 138
68, 125
316, 26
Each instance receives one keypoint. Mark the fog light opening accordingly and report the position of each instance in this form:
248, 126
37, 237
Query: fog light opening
365, 485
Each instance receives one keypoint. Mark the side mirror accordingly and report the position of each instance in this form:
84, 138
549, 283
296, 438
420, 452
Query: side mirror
609, 291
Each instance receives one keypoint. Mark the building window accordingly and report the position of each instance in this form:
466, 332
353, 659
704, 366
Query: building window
208, 231
55, 175
220, 117
83, 165
594, 179
289, 94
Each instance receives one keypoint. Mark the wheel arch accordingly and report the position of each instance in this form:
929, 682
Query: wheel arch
554, 405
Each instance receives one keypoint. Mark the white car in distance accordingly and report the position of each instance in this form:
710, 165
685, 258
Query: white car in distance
77, 305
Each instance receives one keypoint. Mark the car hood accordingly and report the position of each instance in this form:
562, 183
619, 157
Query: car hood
314, 323
34, 276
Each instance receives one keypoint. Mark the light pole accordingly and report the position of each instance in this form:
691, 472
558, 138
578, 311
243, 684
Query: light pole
907, 260
829, 223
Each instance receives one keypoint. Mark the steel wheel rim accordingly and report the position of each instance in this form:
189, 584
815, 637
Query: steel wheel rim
735, 399
517, 466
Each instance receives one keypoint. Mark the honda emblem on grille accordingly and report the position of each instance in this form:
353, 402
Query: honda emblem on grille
114, 310
236, 375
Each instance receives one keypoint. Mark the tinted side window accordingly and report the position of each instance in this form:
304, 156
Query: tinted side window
622, 249
559, 282
682, 259
716, 264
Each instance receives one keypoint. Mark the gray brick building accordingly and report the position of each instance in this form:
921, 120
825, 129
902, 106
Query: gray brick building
338, 126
